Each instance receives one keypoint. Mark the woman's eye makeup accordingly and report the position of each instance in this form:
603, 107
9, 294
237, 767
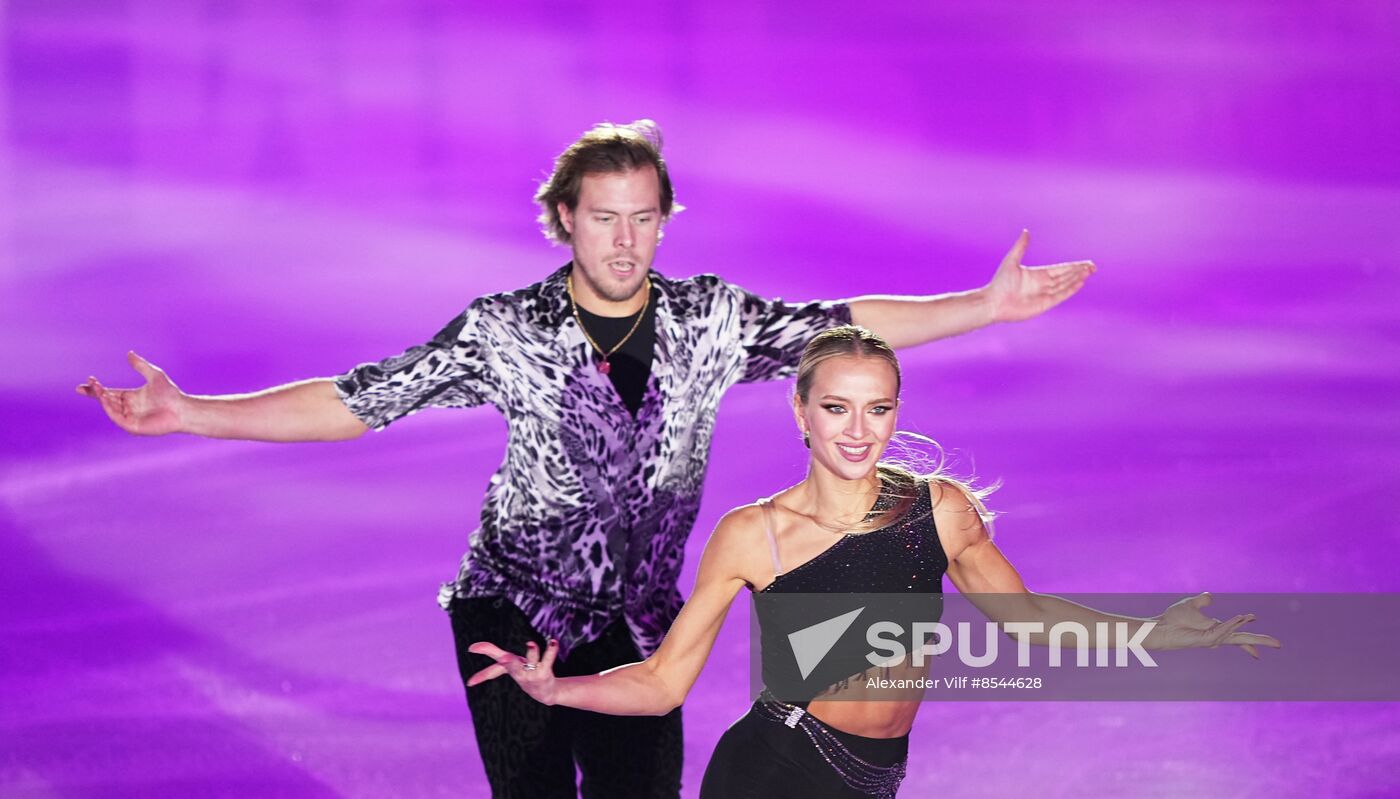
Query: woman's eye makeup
878, 409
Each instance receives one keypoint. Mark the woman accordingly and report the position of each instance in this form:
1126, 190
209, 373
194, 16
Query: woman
852, 525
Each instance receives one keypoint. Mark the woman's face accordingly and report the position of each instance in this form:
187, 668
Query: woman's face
850, 413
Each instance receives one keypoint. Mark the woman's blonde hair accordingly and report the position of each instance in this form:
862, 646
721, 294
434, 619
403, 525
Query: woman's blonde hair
917, 460
851, 341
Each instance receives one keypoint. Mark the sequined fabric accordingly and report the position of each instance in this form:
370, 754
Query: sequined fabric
905, 556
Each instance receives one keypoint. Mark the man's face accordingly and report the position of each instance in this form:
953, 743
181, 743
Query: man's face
615, 229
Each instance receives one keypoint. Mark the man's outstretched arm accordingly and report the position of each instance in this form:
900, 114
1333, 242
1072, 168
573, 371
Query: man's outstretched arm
310, 410
1016, 292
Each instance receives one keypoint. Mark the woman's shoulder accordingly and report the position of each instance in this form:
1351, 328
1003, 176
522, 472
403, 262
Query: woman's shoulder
957, 511
738, 547
741, 526
744, 516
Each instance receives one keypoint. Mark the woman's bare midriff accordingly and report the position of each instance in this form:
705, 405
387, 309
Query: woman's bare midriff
868, 705
869, 719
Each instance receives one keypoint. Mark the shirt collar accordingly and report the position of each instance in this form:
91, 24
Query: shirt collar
554, 306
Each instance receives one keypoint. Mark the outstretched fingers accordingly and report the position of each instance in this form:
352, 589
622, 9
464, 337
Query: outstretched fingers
1059, 292
113, 401
490, 650
489, 673
502, 658
1071, 270
1071, 274
532, 665
1051, 285
1248, 641
1217, 634
1228, 633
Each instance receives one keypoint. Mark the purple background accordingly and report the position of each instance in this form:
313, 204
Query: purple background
254, 192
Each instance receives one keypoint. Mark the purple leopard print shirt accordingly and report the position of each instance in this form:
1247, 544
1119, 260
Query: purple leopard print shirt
587, 518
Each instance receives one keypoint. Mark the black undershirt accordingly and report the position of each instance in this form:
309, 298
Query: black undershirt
631, 365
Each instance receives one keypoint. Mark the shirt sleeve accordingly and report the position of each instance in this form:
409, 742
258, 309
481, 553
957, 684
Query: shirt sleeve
773, 333
449, 371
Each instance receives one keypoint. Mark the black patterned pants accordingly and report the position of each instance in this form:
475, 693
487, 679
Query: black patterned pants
530, 750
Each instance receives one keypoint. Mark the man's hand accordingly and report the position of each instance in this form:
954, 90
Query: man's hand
309, 410
151, 410
1020, 292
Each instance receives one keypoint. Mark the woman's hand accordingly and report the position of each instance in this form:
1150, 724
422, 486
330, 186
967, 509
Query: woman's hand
1184, 626
533, 673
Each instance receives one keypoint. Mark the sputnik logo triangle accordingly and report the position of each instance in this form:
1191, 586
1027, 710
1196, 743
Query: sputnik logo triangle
810, 644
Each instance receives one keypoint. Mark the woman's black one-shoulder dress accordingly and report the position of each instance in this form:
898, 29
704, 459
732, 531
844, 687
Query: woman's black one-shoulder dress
777, 750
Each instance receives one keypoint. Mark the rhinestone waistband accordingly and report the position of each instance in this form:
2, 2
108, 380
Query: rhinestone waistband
880, 782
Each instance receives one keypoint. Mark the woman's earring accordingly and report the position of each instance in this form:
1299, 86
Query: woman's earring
806, 439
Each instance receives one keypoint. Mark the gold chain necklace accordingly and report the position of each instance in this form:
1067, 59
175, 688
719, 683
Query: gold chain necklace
603, 365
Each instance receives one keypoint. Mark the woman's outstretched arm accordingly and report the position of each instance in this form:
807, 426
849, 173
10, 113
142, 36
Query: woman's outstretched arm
660, 683
989, 581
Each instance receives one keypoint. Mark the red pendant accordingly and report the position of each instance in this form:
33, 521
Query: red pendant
604, 366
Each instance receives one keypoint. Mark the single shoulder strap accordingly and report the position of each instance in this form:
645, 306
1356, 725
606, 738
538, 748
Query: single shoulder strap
767, 505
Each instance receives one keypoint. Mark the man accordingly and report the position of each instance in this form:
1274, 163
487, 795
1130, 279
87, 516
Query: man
609, 376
